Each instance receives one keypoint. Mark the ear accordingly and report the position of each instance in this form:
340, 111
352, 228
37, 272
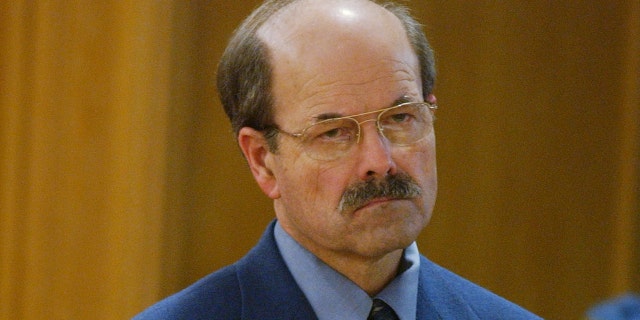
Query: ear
431, 98
256, 150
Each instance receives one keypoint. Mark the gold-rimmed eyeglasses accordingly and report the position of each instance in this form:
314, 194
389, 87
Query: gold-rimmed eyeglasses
401, 125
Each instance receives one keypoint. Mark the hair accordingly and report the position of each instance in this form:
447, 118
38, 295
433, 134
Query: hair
245, 74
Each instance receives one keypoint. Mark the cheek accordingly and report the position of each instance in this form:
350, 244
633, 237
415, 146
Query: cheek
329, 183
321, 184
419, 162
429, 172
421, 156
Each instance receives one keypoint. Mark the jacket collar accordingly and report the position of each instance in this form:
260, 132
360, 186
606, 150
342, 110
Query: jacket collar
437, 299
269, 291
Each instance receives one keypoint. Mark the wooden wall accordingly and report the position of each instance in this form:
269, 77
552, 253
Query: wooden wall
120, 180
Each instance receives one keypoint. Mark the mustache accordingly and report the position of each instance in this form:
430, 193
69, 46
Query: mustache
398, 186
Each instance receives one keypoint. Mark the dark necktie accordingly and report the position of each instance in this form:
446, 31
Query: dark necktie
381, 311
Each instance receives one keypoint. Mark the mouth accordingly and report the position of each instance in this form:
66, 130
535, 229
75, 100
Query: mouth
376, 202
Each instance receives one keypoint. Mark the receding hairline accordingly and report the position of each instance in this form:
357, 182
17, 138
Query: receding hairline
288, 13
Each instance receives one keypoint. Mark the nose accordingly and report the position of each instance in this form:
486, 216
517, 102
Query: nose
375, 158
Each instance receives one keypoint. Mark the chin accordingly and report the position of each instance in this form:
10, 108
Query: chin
382, 249
389, 238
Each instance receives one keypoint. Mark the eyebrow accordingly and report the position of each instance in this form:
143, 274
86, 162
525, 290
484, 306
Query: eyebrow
333, 115
327, 116
401, 100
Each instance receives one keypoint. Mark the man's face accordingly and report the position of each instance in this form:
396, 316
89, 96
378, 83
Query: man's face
352, 61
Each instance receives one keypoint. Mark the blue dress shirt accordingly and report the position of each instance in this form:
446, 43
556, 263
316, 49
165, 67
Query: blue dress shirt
334, 296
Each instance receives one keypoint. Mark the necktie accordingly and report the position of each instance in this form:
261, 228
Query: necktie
381, 311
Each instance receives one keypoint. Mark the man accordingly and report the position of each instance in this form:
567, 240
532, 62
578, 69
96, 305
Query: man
332, 105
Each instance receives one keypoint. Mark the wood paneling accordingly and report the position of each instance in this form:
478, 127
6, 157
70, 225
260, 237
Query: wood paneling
529, 141
121, 182
626, 251
84, 112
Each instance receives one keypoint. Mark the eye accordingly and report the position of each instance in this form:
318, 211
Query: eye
398, 118
401, 117
333, 131
336, 134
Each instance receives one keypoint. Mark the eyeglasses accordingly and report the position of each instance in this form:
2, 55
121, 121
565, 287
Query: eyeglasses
401, 125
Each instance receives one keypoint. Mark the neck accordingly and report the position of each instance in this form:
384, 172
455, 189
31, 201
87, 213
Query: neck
371, 275
371, 272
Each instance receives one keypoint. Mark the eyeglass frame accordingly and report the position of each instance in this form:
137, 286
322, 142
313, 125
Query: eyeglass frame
431, 106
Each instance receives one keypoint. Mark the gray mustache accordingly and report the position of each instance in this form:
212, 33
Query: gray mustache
399, 186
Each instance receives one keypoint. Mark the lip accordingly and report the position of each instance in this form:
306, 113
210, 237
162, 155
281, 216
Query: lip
375, 202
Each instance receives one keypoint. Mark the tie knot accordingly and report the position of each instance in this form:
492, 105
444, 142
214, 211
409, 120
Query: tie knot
381, 311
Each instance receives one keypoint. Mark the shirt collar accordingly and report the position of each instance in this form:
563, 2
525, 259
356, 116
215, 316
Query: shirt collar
334, 296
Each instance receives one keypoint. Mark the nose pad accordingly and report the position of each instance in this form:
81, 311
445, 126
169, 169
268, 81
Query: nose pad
360, 128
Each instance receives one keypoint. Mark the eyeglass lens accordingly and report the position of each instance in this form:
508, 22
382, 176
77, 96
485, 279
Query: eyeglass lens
334, 138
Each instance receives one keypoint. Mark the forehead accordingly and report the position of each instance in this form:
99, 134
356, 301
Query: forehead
339, 52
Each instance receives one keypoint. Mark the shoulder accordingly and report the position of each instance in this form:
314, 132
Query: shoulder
217, 293
258, 286
443, 286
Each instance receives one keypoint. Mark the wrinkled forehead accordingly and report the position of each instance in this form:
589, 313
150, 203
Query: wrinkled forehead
327, 26
314, 42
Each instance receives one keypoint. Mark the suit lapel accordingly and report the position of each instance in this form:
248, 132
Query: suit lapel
269, 291
437, 299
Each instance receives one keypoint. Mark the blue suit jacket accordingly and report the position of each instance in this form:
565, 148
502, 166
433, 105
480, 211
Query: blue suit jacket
260, 286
